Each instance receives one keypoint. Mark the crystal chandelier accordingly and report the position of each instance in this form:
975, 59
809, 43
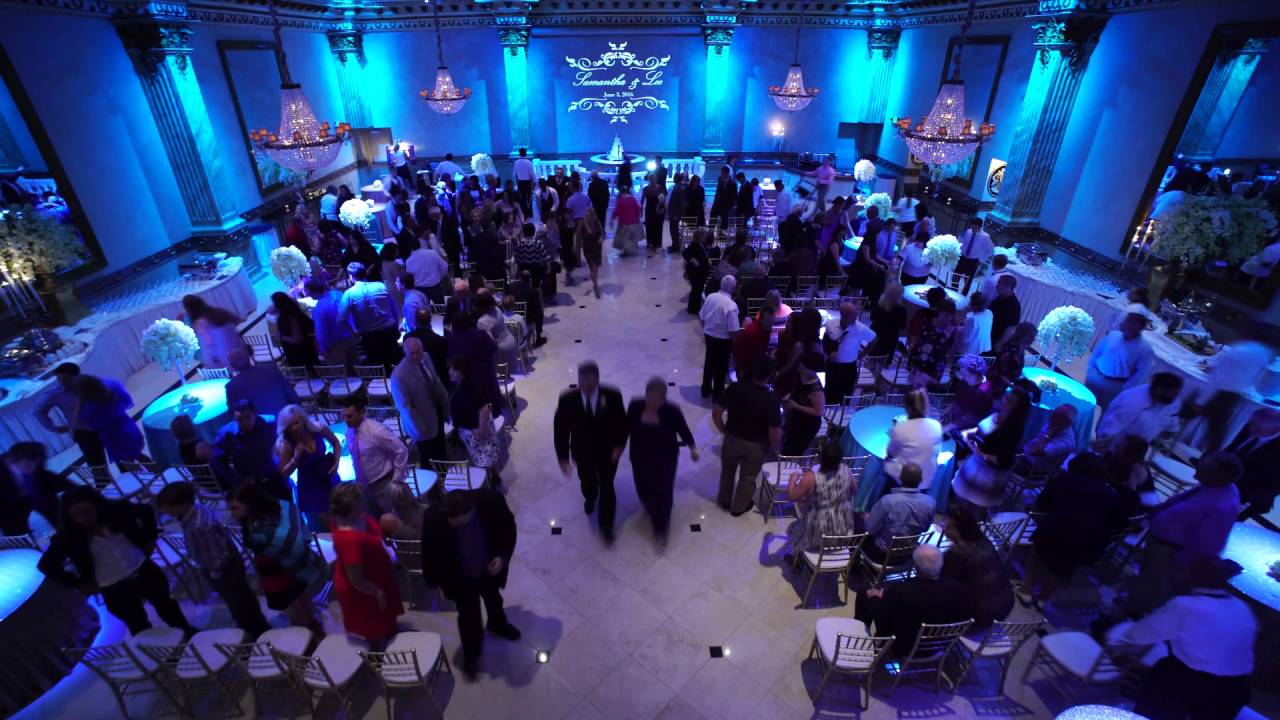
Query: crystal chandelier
946, 137
792, 95
446, 98
302, 144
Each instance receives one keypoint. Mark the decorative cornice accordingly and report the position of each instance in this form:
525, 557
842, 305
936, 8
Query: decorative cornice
150, 42
346, 45
718, 24
1071, 35
883, 40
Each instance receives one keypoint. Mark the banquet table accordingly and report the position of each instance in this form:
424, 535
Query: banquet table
209, 413
376, 192
1255, 548
38, 617
868, 434
1069, 392
108, 343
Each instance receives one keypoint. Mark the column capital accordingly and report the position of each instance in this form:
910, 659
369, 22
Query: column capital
717, 30
513, 32
151, 41
346, 45
1071, 35
883, 40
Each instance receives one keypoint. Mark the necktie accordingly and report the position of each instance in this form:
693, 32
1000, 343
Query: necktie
969, 243
591, 408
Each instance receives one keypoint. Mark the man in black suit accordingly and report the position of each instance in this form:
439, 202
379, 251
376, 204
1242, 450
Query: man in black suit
746, 199
899, 608
591, 423
472, 536
598, 194
1258, 447
875, 225
725, 199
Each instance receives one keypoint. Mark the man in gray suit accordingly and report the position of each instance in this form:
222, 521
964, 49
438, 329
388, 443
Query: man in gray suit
422, 401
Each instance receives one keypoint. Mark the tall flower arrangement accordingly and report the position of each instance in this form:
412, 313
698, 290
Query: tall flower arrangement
483, 165
864, 171
32, 243
289, 265
942, 253
355, 213
881, 202
1064, 334
1213, 227
170, 344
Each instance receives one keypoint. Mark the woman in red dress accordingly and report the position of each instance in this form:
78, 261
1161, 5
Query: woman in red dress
363, 577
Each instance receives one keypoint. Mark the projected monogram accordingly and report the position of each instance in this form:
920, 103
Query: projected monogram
619, 83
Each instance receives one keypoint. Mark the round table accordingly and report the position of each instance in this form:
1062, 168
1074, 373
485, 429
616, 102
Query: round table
849, 248
38, 617
1255, 548
1069, 392
868, 434
375, 192
1098, 712
209, 414
914, 296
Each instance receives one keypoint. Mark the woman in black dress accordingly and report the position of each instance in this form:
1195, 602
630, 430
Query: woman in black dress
695, 203
297, 332
657, 428
888, 320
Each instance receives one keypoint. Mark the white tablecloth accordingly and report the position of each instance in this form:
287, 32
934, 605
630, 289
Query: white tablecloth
113, 335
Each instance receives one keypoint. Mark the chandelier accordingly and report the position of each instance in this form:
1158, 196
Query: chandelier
446, 98
792, 95
302, 144
945, 136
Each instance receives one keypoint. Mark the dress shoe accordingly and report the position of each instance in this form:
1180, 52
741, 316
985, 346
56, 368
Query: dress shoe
748, 509
506, 631
470, 668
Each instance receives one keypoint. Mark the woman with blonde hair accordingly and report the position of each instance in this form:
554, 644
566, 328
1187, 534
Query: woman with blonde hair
915, 440
589, 239
301, 446
888, 320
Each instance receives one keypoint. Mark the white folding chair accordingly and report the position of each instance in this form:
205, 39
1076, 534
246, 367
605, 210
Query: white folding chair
264, 352
375, 383
835, 555
806, 285
771, 487
897, 559
100, 478
18, 542
399, 668
266, 671
171, 554
336, 382
844, 648
1076, 659
214, 373
209, 491
128, 671
929, 654
458, 475
307, 387
1000, 643
198, 667
507, 383
329, 670
1004, 531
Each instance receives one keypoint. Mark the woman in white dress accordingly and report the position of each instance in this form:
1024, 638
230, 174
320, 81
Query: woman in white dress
214, 327
915, 440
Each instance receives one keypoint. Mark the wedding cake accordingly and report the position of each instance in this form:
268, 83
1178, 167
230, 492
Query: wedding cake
615, 152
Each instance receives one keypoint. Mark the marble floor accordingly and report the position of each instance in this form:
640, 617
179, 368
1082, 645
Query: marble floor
629, 629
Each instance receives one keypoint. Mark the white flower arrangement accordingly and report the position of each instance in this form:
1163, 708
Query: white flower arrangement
170, 343
355, 213
1011, 253
289, 265
482, 165
881, 202
1213, 227
1065, 333
864, 170
942, 252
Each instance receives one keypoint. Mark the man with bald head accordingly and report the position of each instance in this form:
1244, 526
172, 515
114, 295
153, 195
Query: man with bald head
420, 397
264, 384
719, 317
899, 608
844, 339
1120, 360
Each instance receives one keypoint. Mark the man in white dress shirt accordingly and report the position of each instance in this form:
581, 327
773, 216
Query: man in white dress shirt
976, 249
377, 454
782, 202
844, 340
1122, 359
1144, 410
329, 206
719, 316
1210, 634
524, 174
999, 268
448, 169
1234, 371
430, 270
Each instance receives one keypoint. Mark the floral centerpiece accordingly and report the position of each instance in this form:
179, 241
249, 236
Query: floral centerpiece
1212, 227
864, 170
483, 165
1065, 334
355, 213
942, 253
32, 243
289, 265
881, 202
170, 343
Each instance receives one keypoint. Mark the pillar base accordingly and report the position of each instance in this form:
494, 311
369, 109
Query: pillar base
230, 236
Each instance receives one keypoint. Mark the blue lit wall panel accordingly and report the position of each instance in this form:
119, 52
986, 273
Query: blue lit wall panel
1253, 132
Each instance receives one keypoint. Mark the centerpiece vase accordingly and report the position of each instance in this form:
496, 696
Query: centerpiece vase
1165, 281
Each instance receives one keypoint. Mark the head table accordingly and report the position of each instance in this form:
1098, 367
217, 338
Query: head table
110, 341
868, 434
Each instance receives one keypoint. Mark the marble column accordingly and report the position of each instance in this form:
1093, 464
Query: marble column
161, 53
513, 34
348, 50
882, 43
1218, 99
1063, 45
717, 34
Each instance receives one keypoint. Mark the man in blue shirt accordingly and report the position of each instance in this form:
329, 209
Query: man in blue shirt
368, 309
904, 511
244, 451
335, 339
